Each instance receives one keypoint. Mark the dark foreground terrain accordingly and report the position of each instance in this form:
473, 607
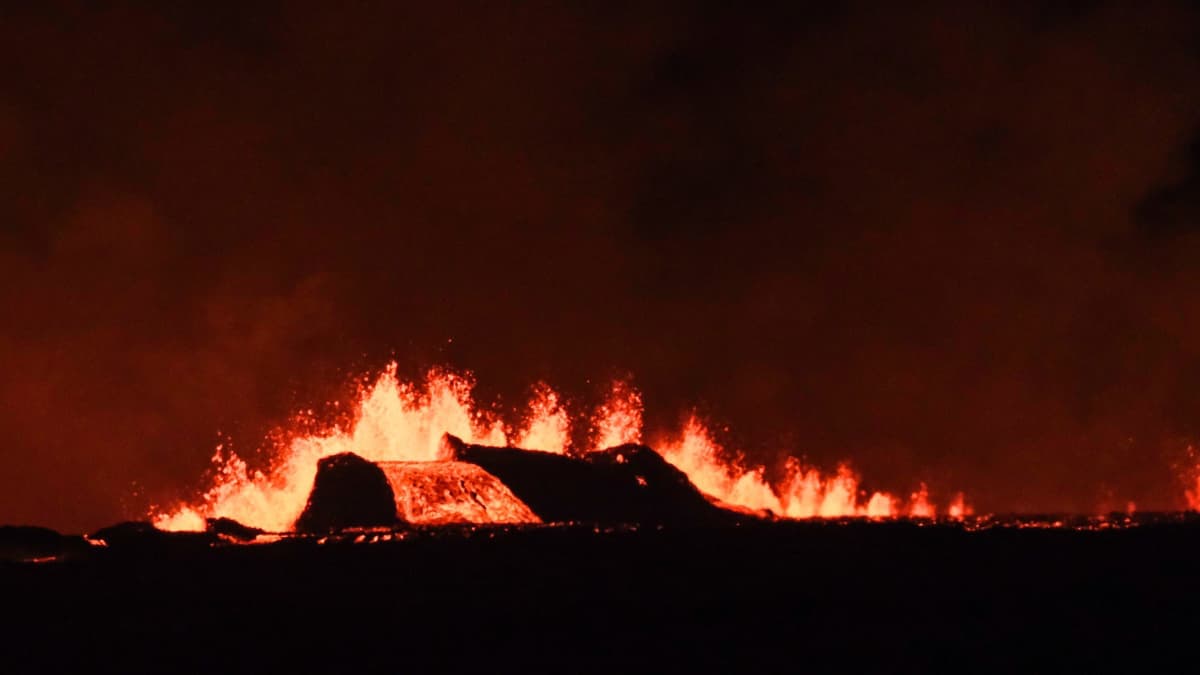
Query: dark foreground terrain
807, 597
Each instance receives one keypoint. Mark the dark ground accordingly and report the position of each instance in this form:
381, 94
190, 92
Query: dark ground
772, 597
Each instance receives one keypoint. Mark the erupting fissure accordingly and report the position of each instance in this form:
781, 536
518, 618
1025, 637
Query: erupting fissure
397, 421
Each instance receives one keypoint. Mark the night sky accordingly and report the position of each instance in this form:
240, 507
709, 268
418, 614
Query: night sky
944, 242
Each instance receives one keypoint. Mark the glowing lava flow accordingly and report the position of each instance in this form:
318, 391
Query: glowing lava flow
400, 422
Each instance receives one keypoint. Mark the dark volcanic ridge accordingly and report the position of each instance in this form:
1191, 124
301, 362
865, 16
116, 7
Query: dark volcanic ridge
866, 596
625, 485
27, 544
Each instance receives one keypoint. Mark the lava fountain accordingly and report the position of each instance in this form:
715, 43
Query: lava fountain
398, 421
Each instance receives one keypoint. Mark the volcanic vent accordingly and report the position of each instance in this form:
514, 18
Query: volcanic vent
404, 422
350, 491
486, 485
626, 484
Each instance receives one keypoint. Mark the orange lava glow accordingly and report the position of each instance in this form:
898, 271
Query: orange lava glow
804, 493
442, 493
1191, 478
619, 420
394, 421
958, 508
547, 428
919, 506
397, 421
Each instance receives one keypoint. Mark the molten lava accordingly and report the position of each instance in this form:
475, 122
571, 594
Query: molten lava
806, 493
619, 419
959, 509
441, 493
547, 428
396, 421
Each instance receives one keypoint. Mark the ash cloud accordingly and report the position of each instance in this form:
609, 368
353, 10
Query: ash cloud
915, 238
